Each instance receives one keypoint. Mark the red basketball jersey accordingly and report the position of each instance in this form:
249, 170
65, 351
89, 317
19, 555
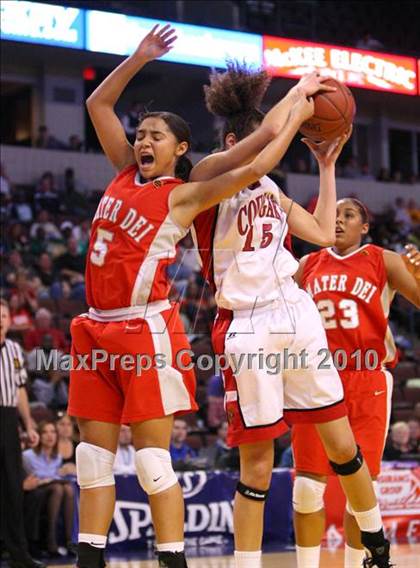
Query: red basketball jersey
353, 297
132, 241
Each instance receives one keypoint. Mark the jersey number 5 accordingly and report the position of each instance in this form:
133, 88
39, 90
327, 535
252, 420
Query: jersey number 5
330, 318
100, 248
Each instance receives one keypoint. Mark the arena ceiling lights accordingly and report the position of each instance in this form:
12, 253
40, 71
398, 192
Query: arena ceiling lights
109, 32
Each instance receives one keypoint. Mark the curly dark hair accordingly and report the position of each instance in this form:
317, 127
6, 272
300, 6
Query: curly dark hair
236, 95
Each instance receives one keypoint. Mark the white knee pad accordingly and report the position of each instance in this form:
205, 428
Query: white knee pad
349, 507
154, 470
308, 495
94, 466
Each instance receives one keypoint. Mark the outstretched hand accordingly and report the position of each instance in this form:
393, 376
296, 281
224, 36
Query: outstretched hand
327, 152
412, 261
156, 43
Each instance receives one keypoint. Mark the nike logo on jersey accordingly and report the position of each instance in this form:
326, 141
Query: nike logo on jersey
231, 335
377, 393
157, 478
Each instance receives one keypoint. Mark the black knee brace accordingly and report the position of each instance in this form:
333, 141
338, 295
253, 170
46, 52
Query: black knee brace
349, 467
250, 493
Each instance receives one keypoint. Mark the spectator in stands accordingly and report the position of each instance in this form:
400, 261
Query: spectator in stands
66, 443
5, 184
45, 270
351, 169
414, 426
21, 209
75, 143
20, 315
47, 141
71, 265
366, 173
50, 229
17, 238
219, 455
125, 458
43, 327
397, 177
413, 211
49, 490
369, 42
130, 121
74, 202
383, 175
81, 233
215, 398
181, 452
46, 196
22, 298
399, 444
402, 217
14, 264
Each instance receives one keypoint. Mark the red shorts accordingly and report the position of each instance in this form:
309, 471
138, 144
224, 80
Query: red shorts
367, 395
149, 382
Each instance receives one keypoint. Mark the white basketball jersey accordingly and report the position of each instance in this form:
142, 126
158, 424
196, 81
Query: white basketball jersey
241, 245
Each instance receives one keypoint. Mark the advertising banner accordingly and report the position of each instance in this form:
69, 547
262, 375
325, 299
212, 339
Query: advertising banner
284, 57
47, 24
399, 501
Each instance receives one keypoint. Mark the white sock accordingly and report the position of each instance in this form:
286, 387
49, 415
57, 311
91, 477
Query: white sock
248, 559
170, 547
96, 540
308, 556
369, 521
353, 557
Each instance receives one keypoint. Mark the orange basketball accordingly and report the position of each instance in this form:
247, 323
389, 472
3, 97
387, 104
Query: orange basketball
334, 113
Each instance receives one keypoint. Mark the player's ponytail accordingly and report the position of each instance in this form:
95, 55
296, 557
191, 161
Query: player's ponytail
235, 96
182, 133
183, 168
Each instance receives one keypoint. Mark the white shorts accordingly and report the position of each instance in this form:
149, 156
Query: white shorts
279, 367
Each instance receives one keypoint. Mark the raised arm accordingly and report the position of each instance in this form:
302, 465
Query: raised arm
318, 228
101, 102
404, 273
247, 149
188, 200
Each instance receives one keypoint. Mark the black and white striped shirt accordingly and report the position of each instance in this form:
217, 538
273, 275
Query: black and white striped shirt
12, 372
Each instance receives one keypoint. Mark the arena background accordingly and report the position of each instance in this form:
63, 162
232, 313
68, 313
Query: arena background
53, 174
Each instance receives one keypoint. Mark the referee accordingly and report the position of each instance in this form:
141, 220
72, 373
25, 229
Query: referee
13, 399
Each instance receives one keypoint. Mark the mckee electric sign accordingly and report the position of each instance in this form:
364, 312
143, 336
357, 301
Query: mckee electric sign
196, 45
292, 58
42, 23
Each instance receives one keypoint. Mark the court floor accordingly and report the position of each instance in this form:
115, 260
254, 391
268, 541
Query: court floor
404, 555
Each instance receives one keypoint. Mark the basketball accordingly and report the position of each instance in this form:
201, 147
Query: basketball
334, 113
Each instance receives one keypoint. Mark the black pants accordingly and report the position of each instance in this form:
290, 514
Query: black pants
12, 528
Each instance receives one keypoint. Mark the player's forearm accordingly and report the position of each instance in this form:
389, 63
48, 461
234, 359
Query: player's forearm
270, 156
109, 91
325, 210
277, 116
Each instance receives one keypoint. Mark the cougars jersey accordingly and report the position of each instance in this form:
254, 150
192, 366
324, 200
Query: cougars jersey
353, 297
132, 241
241, 245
